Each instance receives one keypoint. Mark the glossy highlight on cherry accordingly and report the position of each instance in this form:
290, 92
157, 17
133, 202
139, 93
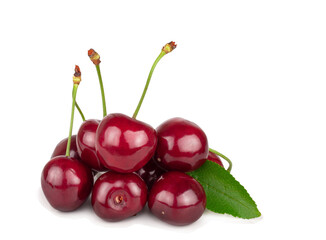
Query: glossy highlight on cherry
182, 145
66, 183
124, 144
85, 142
177, 199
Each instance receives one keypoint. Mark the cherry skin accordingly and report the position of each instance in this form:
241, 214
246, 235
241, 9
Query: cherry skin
86, 144
117, 196
215, 158
150, 173
66, 183
124, 144
182, 145
60, 149
177, 198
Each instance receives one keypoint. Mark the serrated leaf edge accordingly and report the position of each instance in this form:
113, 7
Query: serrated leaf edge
236, 200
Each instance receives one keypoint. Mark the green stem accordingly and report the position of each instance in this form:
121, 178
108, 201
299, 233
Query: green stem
224, 157
74, 93
102, 89
80, 112
147, 83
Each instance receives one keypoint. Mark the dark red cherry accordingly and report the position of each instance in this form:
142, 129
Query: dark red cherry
124, 144
150, 173
86, 144
177, 198
60, 149
182, 145
66, 183
117, 196
214, 158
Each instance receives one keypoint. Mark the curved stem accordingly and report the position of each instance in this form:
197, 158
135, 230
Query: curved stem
102, 89
80, 112
224, 157
147, 83
74, 93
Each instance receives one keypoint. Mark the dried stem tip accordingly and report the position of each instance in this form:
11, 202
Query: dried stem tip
77, 75
169, 47
95, 58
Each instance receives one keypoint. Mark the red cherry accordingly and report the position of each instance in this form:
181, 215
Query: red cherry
60, 149
124, 144
117, 196
150, 173
182, 145
215, 158
66, 183
177, 199
86, 144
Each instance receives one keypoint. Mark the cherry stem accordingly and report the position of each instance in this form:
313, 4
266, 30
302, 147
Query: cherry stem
147, 83
80, 112
74, 93
102, 88
224, 157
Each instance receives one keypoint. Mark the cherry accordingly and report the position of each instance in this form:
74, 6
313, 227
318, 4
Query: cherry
214, 158
86, 134
117, 196
65, 181
150, 173
182, 145
61, 148
125, 144
177, 199
86, 144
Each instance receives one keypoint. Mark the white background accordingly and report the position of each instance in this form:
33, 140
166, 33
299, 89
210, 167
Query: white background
250, 73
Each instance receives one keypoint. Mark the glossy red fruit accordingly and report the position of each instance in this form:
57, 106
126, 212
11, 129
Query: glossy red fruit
124, 144
86, 144
177, 198
60, 149
150, 173
66, 183
182, 145
117, 196
215, 158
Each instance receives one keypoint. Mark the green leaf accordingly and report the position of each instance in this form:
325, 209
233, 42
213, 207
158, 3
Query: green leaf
224, 194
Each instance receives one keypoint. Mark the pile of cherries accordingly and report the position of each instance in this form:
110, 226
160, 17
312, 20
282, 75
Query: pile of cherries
134, 164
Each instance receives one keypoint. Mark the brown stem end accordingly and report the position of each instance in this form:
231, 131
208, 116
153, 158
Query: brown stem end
94, 56
77, 75
169, 47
